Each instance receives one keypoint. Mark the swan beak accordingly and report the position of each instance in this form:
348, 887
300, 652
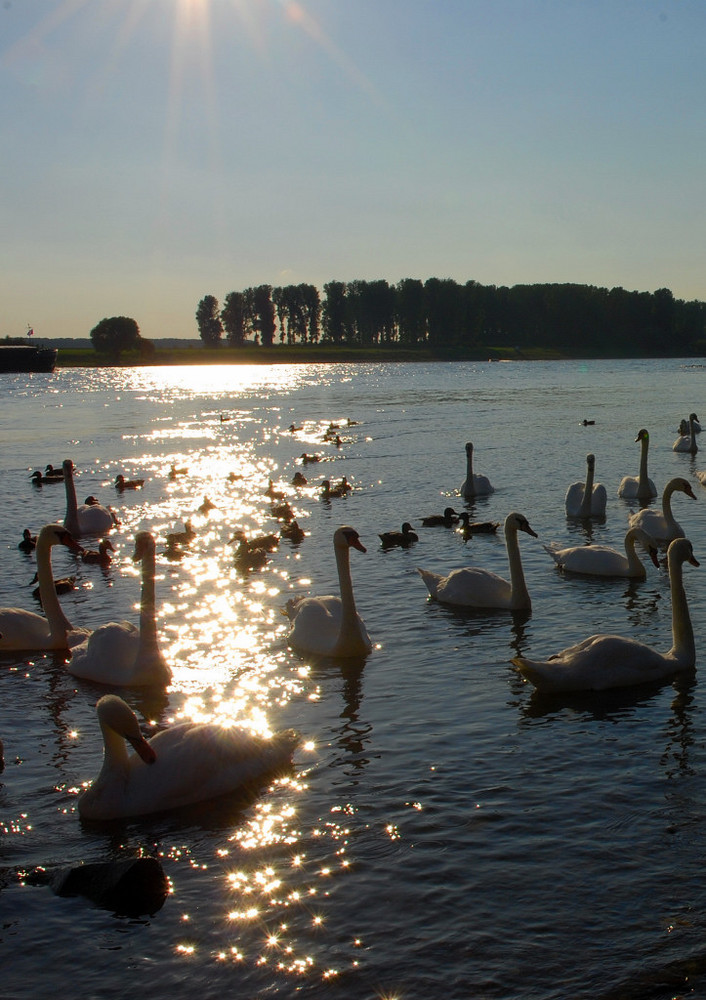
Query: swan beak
653, 556
142, 748
689, 492
357, 544
525, 527
694, 561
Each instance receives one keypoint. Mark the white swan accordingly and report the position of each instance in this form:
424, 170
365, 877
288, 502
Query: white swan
585, 499
609, 661
27, 630
661, 524
479, 588
474, 485
185, 764
687, 442
88, 519
601, 560
639, 487
331, 626
118, 652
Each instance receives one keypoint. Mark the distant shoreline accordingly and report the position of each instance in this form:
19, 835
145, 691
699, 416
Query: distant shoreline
308, 354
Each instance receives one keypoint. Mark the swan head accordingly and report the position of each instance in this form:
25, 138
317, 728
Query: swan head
346, 537
56, 534
681, 551
68, 466
114, 714
642, 435
591, 459
680, 485
144, 543
692, 416
518, 522
469, 448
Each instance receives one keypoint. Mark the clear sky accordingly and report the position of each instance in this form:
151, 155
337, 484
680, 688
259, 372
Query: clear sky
155, 151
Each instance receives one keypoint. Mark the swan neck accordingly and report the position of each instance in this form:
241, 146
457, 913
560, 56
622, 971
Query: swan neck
71, 519
350, 638
683, 647
148, 603
59, 624
642, 476
519, 595
587, 492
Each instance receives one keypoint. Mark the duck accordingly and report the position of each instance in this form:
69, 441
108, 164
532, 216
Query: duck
207, 506
273, 493
586, 499
92, 518
331, 625
247, 557
661, 524
687, 442
41, 479
293, 532
179, 766
329, 492
62, 585
479, 588
282, 511
299, 480
266, 542
601, 560
101, 555
402, 539
474, 485
639, 487
119, 652
28, 543
447, 519
27, 630
174, 472
121, 483
52, 473
469, 528
181, 537
602, 661
309, 459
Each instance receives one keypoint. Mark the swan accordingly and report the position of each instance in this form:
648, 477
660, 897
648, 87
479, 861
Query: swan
585, 499
601, 560
184, 764
20, 629
447, 519
331, 626
610, 661
687, 442
479, 588
403, 538
89, 518
474, 485
120, 653
639, 487
660, 524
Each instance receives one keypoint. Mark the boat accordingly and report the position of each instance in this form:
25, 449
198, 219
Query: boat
27, 358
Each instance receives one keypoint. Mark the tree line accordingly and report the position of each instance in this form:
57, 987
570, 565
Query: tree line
444, 315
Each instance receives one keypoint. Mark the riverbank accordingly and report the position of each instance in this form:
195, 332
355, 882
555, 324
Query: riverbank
295, 354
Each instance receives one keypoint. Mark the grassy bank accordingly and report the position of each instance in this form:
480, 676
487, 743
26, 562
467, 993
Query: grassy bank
294, 354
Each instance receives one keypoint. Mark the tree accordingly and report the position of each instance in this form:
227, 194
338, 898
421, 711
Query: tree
233, 318
115, 335
265, 314
209, 321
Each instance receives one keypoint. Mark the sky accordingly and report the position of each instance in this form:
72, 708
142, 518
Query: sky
156, 151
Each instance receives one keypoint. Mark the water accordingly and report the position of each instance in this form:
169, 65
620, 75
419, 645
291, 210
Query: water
445, 831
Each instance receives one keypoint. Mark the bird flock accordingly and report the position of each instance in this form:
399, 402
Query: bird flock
192, 762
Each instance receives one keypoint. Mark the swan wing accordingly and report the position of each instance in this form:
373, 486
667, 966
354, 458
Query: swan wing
316, 623
469, 587
598, 663
108, 655
20, 629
